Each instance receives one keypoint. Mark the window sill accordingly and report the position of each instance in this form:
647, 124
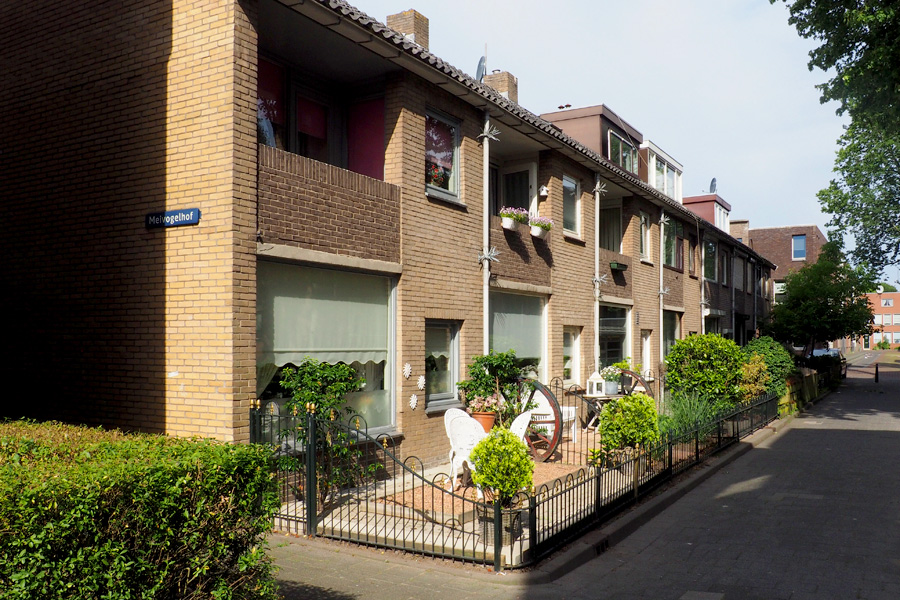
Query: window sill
646, 261
573, 237
676, 269
439, 407
452, 199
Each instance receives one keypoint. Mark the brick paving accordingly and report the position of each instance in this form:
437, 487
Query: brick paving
810, 512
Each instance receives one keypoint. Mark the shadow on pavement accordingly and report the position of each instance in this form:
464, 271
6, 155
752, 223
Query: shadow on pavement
291, 590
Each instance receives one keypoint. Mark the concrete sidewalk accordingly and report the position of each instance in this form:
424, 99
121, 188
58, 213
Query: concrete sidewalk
807, 509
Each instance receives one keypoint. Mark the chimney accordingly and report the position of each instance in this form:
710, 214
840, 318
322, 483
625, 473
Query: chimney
504, 83
412, 24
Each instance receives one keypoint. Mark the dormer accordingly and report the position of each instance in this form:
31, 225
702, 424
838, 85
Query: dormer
660, 171
604, 132
711, 207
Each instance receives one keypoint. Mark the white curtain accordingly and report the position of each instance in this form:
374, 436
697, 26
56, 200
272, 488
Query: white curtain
517, 323
333, 316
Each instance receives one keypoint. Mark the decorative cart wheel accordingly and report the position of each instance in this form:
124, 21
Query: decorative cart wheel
545, 429
635, 380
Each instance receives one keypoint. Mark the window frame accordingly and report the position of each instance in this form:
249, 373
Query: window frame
612, 205
645, 247
577, 208
625, 331
454, 193
724, 267
575, 369
794, 239
626, 143
676, 229
443, 400
664, 338
710, 249
692, 258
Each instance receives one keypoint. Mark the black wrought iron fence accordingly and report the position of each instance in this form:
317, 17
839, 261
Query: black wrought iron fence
339, 482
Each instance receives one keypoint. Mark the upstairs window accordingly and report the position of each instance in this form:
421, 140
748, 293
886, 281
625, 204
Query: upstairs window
709, 260
692, 255
441, 157
513, 185
723, 268
673, 238
664, 177
611, 228
623, 153
645, 237
571, 205
798, 247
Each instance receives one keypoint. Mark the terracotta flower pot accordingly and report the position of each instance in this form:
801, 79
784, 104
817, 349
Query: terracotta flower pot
486, 419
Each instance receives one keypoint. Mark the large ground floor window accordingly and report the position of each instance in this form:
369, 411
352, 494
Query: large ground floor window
517, 323
671, 330
334, 317
613, 334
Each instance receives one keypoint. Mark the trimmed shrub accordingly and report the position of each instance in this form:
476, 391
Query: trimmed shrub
778, 361
502, 464
630, 421
754, 378
86, 513
708, 365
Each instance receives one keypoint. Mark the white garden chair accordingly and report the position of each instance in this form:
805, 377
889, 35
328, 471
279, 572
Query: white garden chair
464, 433
519, 426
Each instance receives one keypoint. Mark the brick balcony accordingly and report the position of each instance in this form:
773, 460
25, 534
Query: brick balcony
309, 204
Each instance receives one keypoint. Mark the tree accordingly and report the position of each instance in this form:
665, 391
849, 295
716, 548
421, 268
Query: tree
824, 301
863, 198
886, 287
860, 45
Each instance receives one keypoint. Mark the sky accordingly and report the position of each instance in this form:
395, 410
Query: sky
722, 86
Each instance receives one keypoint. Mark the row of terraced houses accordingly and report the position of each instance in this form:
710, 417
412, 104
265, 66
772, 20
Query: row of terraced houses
198, 194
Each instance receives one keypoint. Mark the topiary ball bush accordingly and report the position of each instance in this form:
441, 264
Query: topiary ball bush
503, 464
630, 421
779, 362
708, 365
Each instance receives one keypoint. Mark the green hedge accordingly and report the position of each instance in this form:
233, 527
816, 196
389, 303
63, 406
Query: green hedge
86, 513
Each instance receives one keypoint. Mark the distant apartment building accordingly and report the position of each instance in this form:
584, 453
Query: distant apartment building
886, 309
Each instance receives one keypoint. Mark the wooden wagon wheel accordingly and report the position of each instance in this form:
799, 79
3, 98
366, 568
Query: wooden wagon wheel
541, 442
635, 380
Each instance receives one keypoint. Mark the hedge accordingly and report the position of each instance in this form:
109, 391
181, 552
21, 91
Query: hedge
86, 513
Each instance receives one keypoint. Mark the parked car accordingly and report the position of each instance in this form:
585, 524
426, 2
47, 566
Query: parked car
837, 354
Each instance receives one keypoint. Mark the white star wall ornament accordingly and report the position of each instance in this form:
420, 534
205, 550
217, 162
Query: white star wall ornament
407, 370
488, 255
490, 132
600, 188
663, 219
413, 401
421, 382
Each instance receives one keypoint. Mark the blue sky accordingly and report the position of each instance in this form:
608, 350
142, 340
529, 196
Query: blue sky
720, 85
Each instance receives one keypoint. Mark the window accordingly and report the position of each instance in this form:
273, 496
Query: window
571, 205
723, 268
673, 238
517, 323
441, 157
612, 334
877, 319
664, 177
798, 247
646, 357
332, 316
709, 260
886, 320
711, 324
739, 273
887, 302
611, 228
622, 153
645, 237
571, 354
896, 319
692, 255
721, 216
270, 113
441, 364
513, 185
671, 330
896, 337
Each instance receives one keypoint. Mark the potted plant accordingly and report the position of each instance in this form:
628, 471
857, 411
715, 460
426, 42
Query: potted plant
540, 226
611, 377
495, 385
511, 217
503, 468
484, 409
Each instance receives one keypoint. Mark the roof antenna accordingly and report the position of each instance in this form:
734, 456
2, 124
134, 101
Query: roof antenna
482, 66
712, 186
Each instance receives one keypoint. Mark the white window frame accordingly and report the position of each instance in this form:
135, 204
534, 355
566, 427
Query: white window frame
453, 194
443, 400
544, 358
575, 360
646, 248
626, 344
577, 231
622, 142
715, 260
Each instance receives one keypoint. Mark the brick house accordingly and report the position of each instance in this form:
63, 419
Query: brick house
343, 185
886, 309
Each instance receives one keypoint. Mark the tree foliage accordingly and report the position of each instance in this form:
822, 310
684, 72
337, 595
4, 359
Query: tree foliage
863, 196
823, 301
860, 46
779, 362
708, 365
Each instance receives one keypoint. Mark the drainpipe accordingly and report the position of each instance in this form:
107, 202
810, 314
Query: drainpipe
486, 236
596, 280
702, 262
662, 251
733, 301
